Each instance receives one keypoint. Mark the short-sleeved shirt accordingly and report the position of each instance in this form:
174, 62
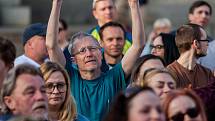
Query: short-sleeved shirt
81, 118
24, 59
93, 97
198, 77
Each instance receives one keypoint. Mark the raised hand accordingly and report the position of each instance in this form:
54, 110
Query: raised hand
133, 2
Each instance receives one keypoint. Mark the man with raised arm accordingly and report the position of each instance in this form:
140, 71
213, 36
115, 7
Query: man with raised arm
92, 89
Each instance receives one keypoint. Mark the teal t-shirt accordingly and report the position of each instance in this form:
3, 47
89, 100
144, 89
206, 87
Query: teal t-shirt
93, 97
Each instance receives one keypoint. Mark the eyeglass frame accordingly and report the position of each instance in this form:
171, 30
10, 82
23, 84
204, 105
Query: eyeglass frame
55, 85
203, 40
83, 50
157, 47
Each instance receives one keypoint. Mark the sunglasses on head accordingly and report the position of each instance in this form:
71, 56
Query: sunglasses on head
191, 112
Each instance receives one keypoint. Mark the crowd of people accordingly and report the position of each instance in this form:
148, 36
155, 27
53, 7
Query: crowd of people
110, 73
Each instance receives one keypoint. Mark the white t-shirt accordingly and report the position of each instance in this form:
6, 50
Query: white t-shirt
24, 59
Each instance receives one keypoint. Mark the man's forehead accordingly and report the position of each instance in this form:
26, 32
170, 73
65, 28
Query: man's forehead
202, 6
29, 80
95, 2
89, 41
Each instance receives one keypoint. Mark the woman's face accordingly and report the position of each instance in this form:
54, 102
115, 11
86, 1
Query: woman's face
151, 63
158, 47
56, 89
162, 84
145, 106
183, 108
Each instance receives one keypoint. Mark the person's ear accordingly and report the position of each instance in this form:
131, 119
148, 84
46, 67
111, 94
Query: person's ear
29, 43
8, 100
196, 44
94, 13
190, 17
102, 44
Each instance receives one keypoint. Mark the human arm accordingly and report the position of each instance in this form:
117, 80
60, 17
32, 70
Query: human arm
54, 51
138, 38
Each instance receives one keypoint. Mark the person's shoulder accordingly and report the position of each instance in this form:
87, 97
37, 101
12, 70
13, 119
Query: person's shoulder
5, 117
81, 118
210, 39
128, 36
173, 64
116, 67
20, 57
91, 30
204, 68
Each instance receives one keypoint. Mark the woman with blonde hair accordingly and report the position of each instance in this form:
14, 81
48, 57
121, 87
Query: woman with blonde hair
62, 105
159, 79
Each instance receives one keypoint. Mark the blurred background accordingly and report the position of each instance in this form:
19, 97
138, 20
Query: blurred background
15, 15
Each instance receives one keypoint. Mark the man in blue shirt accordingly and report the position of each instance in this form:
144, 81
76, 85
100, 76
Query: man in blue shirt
92, 89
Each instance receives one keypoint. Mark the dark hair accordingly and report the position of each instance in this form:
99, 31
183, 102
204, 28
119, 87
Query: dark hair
7, 51
184, 92
140, 61
199, 3
120, 107
171, 52
185, 36
64, 24
111, 24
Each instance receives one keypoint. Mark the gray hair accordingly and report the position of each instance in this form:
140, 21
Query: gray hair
79, 36
162, 22
9, 83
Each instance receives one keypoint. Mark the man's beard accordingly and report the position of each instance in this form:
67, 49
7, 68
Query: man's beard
200, 54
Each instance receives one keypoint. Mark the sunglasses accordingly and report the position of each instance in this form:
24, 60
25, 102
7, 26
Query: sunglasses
191, 112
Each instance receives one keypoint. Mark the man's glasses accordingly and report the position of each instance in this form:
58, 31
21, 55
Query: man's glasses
203, 40
61, 87
157, 47
83, 50
191, 112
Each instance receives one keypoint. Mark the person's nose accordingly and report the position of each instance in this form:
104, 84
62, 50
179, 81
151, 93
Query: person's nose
153, 51
204, 15
155, 115
166, 89
107, 11
115, 42
88, 52
55, 91
40, 96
